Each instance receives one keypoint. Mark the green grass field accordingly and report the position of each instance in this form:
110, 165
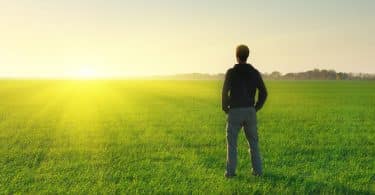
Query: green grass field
169, 137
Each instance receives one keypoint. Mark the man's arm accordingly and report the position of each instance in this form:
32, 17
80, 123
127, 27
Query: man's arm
225, 93
262, 93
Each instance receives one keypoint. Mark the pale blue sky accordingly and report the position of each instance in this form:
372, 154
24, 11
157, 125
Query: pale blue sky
114, 38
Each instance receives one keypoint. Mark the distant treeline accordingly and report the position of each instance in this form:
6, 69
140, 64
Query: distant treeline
315, 74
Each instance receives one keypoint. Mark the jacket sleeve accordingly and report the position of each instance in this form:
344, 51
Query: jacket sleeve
262, 93
225, 93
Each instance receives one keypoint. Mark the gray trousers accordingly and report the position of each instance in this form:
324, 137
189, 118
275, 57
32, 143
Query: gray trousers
246, 118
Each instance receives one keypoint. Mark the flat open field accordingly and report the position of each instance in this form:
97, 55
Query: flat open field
169, 136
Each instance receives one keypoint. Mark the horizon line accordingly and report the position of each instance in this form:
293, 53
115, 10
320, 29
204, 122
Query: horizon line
146, 76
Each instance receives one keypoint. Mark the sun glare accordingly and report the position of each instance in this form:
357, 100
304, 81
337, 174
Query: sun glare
86, 73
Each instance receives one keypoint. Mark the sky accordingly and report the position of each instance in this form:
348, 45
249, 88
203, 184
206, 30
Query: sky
55, 38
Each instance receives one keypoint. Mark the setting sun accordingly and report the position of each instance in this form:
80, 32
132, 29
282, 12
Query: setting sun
86, 73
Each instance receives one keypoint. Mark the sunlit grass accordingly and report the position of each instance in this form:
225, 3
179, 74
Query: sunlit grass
83, 136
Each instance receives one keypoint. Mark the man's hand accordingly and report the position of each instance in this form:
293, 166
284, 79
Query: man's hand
257, 108
226, 110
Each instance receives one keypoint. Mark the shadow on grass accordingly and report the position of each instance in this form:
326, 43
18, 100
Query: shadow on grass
298, 184
307, 186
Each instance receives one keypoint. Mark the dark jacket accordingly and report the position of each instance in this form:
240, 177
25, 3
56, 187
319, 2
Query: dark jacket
240, 85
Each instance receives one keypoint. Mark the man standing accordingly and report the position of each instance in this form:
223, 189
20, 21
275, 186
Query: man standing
238, 101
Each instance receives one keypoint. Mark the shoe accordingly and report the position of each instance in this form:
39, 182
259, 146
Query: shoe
229, 176
256, 174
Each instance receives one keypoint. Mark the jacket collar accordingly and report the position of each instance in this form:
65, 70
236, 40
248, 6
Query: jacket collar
242, 65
